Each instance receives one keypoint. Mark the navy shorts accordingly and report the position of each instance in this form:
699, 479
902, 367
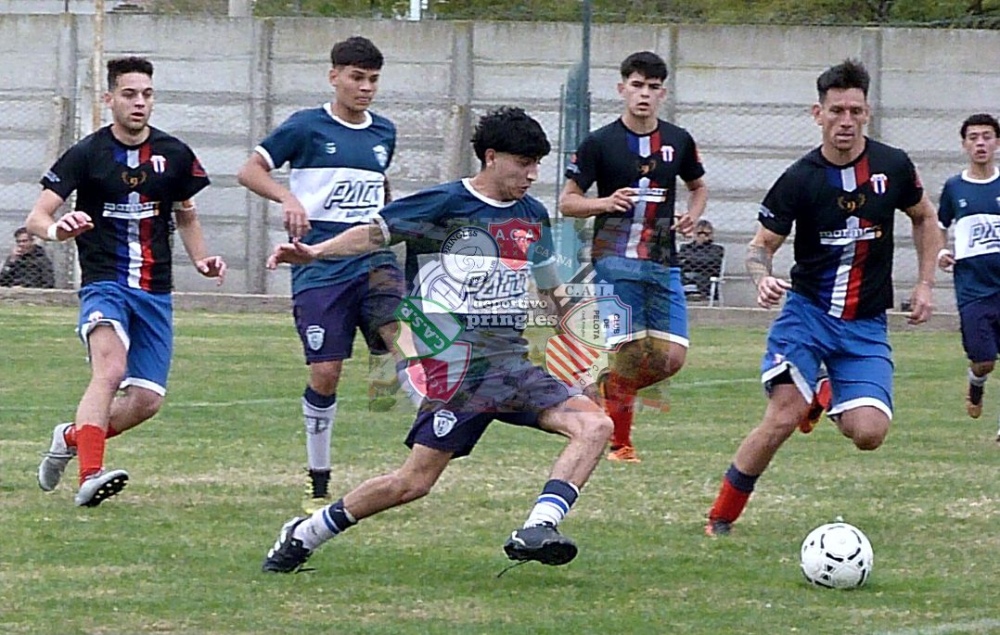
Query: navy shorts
512, 390
980, 320
327, 317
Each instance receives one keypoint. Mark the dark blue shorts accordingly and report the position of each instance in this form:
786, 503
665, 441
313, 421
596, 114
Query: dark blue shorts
513, 391
980, 320
327, 317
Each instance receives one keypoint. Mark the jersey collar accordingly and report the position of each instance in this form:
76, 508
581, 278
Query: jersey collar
354, 126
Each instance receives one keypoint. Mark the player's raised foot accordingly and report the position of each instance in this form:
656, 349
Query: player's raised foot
99, 487
974, 401
718, 528
822, 398
54, 462
288, 553
541, 543
624, 454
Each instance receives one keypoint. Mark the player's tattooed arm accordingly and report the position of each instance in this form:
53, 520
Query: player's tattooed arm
759, 262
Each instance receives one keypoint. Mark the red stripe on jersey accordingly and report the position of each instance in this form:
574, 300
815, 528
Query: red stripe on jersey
852, 300
862, 172
649, 218
146, 230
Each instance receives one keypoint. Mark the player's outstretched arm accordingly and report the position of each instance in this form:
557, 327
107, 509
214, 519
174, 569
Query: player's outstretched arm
255, 175
574, 202
928, 240
357, 240
189, 229
759, 262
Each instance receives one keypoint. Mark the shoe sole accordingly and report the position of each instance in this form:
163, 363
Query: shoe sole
106, 491
550, 553
713, 532
975, 410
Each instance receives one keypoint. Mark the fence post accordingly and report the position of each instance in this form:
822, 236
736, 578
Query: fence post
63, 131
261, 113
871, 55
458, 132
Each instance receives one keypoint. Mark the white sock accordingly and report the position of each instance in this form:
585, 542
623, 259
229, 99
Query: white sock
553, 504
977, 381
319, 430
323, 525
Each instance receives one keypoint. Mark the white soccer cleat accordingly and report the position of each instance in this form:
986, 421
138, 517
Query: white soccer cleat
53, 465
100, 487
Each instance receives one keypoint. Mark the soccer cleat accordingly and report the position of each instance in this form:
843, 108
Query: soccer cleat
822, 398
317, 491
541, 543
718, 528
53, 465
624, 454
974, 401
100, 487
288, 553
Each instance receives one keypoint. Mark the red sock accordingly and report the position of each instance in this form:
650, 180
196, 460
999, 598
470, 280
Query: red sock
69, 436
90, 449
731, 501
619, 403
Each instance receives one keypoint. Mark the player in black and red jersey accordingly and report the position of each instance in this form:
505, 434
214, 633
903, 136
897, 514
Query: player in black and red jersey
636, 161
841, 199
133, 185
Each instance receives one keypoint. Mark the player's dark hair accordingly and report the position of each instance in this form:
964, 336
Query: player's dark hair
511, 130
646, 63
123, 65
981, 119
704, 223
850, 73
357, 51
20, 230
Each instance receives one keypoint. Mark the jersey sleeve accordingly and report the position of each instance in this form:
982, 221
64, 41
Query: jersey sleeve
691, 167
194, 178
913, 189
67, 173
946, 208
282, 144
777, 212
582, 168
414, 217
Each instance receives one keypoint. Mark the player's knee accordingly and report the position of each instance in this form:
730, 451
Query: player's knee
411, 488
147, 404
599, 428
983, 368
869, 438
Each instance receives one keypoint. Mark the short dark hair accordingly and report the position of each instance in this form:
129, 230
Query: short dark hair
981, 119
19, 231
122, 65
646, 63
704, 224
357, 51
851, 73
511, 130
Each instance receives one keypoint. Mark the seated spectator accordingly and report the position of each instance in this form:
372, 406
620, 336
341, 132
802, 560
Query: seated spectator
701, 260
28, 265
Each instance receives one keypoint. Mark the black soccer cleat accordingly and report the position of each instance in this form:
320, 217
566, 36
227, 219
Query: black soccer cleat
288, 554
541, 543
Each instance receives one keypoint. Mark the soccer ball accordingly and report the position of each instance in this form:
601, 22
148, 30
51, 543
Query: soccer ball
837, 556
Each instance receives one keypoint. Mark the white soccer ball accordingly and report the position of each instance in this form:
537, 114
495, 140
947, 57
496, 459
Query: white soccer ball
837, 556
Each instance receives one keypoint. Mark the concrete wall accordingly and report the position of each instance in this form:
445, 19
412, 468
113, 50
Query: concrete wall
223, 83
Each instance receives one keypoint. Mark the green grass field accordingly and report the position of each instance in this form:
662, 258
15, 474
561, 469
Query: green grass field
216, 473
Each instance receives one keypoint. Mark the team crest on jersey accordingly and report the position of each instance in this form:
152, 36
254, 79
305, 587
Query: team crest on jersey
315, 335
159, 163
667, 152
381, 155
851, 204
444, 422
133, 178
647, 165
513, 237
880, 183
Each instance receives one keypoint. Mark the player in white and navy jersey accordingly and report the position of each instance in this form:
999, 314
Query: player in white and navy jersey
841, 199
133, 185
338, 155
970, 202
636, 161
480, 239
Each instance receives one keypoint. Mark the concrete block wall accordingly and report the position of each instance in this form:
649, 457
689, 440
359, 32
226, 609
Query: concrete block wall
223, 83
